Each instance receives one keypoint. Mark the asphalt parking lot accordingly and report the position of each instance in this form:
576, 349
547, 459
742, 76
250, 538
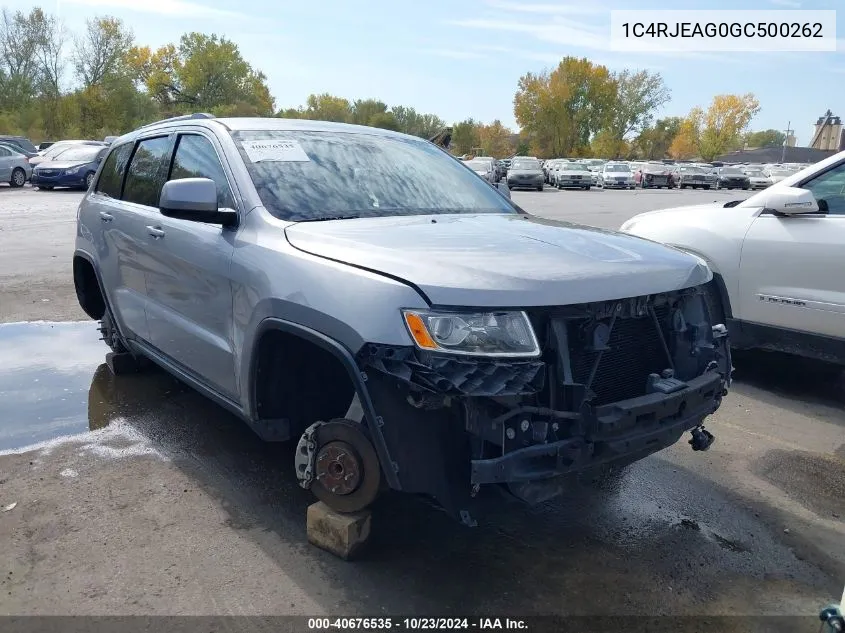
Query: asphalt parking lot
161, 503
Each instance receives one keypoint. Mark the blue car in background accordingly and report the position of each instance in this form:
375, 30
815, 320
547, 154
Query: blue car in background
74, 168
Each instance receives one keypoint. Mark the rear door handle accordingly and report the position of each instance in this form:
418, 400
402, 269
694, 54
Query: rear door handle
156, 232
106, 217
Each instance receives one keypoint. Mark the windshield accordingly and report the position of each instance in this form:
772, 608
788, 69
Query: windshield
617, 167
57, 148
756, 173
302, 176
692, 170
85, 153
525, 164
781, 172
732, 171
576, 167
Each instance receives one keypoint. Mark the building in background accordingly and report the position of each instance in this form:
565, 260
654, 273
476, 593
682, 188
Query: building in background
828, 135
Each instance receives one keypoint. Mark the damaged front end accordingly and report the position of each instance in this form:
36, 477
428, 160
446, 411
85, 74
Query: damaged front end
615, 381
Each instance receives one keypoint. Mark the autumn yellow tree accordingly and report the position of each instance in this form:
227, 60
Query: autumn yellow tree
717, 130
685, 143
561, 110
495, 139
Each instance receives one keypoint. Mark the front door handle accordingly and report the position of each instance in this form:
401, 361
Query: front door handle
156, 232
106, 217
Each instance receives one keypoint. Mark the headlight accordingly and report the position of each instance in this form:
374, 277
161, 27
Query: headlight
72, 170
473, 333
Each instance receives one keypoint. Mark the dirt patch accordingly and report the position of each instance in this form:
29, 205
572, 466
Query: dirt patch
815, 481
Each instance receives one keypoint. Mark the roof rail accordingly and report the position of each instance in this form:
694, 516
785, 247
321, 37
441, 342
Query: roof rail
184, 117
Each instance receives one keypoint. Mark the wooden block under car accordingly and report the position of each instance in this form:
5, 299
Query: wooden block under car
341, 534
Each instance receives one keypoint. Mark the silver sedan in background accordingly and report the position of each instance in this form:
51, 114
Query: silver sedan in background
14, 167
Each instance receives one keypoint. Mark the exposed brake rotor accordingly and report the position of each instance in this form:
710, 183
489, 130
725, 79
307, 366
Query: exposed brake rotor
347, 474
338, 468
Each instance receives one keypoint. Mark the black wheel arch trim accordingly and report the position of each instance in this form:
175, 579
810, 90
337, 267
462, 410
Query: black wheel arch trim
719, 282
357, 377
93, 263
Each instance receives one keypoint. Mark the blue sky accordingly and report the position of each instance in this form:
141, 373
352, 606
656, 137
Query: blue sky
460, 58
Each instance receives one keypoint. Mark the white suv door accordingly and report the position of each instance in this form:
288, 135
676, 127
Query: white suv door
792, 268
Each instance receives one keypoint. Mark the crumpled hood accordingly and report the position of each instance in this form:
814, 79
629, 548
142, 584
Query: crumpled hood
488, 260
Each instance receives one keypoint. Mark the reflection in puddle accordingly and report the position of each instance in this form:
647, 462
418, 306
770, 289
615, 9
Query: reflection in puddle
45, 378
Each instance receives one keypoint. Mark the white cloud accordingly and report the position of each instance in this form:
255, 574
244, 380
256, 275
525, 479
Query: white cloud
567, 32
174, 8
789, 4
575, 35
550, 9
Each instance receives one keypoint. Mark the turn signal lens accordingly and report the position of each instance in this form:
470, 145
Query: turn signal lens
419, 331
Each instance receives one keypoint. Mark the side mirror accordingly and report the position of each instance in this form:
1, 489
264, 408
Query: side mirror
791, 201
194, 199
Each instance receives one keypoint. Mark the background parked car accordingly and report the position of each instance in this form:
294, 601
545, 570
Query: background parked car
732, 178
685, 176
616, 175
573, 176
484, 167
21, 144
776, 174
526, 173
57, 148
653, 175
75, 168
757, 178
14, 167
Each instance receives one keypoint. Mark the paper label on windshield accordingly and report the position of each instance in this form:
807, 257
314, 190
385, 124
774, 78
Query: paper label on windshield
279, 151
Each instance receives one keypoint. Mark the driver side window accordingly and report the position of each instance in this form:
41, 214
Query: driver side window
829, 190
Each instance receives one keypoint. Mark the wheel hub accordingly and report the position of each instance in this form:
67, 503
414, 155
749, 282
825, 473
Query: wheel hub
338, 468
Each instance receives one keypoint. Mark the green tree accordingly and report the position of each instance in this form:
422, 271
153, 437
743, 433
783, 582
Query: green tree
465, 137
364, 110
638, 96
653, 142
327, 107
384, 120
765, 138
412, 122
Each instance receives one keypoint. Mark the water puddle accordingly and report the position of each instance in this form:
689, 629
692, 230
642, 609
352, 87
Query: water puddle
45, 380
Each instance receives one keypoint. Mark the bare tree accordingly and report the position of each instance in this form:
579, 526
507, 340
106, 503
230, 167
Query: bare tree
18, 59
51, 36
101, 50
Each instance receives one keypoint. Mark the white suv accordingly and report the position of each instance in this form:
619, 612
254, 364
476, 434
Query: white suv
778, 259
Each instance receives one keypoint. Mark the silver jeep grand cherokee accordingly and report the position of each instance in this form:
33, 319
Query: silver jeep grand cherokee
364, 293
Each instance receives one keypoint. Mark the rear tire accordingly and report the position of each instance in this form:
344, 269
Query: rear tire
18, 178
111, 336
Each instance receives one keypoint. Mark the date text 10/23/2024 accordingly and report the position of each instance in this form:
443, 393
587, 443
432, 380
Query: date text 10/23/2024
416, 624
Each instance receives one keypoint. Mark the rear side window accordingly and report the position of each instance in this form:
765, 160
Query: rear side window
145, 177
5, 152
196, 157
111, 178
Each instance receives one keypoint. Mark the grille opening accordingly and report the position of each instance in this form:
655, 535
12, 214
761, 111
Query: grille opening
634, 351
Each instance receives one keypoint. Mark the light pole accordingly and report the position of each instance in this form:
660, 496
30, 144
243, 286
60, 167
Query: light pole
785, 141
